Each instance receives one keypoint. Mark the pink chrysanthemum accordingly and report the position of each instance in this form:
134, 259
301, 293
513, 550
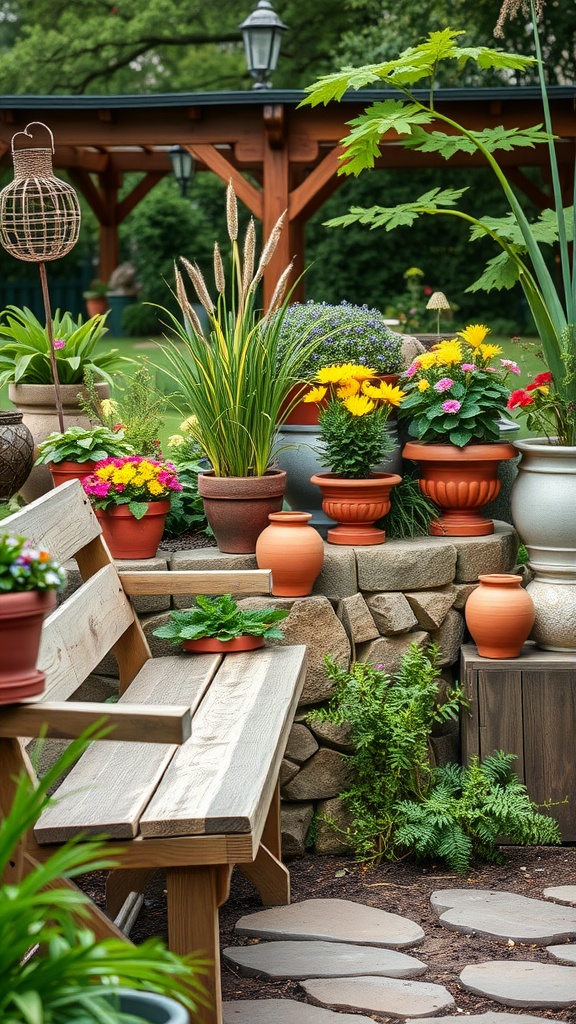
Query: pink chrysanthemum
444, 384
451, 406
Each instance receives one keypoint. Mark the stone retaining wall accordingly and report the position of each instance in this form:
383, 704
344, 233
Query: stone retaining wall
368, 604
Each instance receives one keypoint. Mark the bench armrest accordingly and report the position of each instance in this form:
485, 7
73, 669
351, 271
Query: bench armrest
218, 581
140, 723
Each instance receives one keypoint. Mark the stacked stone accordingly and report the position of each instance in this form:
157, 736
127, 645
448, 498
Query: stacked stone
369, 604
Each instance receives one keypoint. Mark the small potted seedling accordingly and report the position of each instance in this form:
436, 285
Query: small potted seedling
217, 624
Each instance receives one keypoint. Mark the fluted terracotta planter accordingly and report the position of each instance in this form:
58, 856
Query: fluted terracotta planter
21, 616
237, 507
293, 551
461, 481
499, 615
37, 403
16, 453
356, 505
128, 537
61, 472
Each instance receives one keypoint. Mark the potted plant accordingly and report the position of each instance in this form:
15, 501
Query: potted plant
52, 967
96, 297
74, 454
25, 366
346, 333
352, 429
218, 624
234, 378
455, 397
131, 498
29, 578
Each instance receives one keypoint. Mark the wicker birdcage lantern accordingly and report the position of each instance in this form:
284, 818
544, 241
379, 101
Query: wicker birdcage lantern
39, 214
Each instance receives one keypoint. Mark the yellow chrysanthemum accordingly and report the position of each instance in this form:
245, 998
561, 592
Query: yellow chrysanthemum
315, 395
339, 373
146, 471
426, 360
175, 441
106, 472
448, 353
359, 405
474, 334
348, 388
543, 389
189, 422
391, 394
125, 475
423, 385
154, 487
489, 351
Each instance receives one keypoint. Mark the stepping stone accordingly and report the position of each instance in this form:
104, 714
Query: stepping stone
563, 953
298, 960
380, 995
504, 915
286, 1011
486, 1018
522, 983
561, 893
333, 921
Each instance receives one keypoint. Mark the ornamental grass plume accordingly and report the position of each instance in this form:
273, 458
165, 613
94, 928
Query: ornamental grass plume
233, 377
354, 408
454, 394
133, 481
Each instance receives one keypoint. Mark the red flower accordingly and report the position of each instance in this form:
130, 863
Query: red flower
427, 289
539, 381
519, 398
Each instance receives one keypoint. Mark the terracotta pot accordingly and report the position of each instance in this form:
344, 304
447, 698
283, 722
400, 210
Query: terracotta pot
16, 453
356, 505
21, 616
37, 404
209, 644
237, 507
294, 552
63, 471
499, 615
128, 537
96, 305
460, 481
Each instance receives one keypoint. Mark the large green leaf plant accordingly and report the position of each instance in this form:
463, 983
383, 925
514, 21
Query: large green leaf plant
53, 970
415, 122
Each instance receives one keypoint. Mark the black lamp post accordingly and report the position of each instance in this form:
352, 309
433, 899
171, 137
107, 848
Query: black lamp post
262, 31
183, 167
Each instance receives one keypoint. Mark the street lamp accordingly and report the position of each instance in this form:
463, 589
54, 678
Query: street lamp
183, 167
262, 31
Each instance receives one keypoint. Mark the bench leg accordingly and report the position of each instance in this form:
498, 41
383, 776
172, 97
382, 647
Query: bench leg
120, 884
194, 895
267, 873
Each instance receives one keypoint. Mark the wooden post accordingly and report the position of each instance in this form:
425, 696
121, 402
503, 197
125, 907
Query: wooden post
276, 194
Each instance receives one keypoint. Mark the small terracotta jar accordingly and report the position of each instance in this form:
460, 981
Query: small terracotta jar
293, 551
499, 615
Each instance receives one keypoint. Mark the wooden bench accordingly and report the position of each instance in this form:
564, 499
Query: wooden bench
189, 780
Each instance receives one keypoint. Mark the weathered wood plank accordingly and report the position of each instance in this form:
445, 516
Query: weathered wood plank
175, 852
112, 783
469, 724
217, 581
550, 769
81, 631
60, 521
67, 719
531, 657
500, 714
223, 778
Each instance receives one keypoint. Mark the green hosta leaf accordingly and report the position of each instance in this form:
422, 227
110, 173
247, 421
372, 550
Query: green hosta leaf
460, 436
138, 508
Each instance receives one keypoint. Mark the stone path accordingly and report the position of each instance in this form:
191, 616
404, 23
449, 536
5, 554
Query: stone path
340, 953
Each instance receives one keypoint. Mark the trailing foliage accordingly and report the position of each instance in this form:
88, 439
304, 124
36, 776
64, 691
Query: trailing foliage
399, 802
221, 618
468, 809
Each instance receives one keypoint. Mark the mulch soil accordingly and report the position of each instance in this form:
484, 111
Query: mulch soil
400, 887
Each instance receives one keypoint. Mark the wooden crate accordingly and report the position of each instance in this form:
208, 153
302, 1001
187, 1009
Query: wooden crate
526, 706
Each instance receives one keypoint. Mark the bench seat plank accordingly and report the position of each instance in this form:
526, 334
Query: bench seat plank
222, 779
107, 790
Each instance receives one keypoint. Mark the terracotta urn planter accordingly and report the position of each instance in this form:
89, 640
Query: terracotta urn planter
460, 481
128, 537
237, 507
356, 505
37, 404
61, 472
293, 551
499, 615
16, 453
21, 616
211, 645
